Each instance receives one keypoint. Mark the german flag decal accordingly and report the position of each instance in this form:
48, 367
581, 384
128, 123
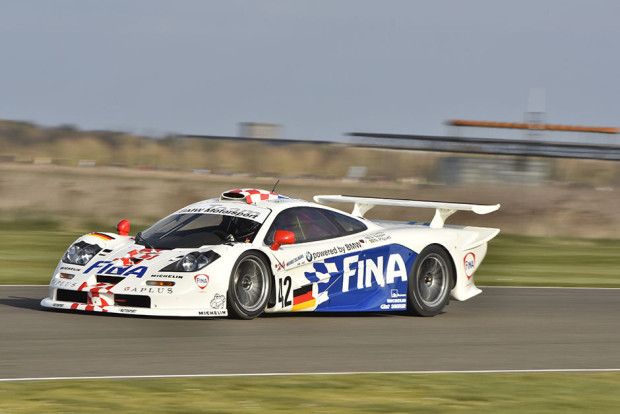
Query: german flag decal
102, 236
303, 299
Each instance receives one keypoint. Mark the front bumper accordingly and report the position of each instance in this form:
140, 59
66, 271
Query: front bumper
102, 299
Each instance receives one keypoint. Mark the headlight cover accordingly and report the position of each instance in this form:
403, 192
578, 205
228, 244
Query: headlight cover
192, 262
80, 253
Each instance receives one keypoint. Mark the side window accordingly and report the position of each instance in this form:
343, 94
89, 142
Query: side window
348, 224
288, 221
307, 223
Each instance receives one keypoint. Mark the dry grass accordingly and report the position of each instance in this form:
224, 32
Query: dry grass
367, 393
106, 195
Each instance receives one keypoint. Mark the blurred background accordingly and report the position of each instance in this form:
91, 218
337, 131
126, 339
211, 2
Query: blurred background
78, 179
133, 109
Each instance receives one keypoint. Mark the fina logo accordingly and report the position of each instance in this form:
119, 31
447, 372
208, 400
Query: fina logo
470, 263
202, 281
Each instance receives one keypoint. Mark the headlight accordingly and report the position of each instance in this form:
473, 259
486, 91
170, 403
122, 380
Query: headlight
189, 263
80, 253
192, 262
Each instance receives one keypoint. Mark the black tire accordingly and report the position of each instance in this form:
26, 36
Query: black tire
430, 281
249, 286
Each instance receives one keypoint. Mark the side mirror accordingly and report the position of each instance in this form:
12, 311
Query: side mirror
282, 237
123, 228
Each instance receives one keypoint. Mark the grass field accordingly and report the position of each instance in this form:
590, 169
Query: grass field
360, 393
543, 261
29, 254
30, 251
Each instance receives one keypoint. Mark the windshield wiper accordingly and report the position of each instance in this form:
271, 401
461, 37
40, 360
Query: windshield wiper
141, 240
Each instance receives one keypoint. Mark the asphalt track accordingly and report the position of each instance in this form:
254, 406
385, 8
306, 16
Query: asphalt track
501, 329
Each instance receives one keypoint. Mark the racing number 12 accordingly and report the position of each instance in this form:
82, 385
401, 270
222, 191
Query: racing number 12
285, 298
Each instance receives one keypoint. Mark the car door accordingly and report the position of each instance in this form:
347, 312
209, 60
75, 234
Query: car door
307, 269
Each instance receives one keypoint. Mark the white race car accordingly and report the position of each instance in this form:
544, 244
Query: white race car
253, 251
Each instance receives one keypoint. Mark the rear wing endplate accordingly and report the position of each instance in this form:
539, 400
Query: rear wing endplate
442, 210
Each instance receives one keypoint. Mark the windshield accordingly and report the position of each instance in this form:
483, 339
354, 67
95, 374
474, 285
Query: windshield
195, 230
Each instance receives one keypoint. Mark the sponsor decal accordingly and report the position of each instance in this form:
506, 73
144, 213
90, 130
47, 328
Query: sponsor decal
127, 310
218, 301
394, 306
295, 260
201, 281
365, 280
108, 267
323, 253
396, 294
469, 261
369, 271
63, 283
136, 271
397, 301
127, 264
70, 269
212, 313
377, 237
353, 246
224, 210
347, 247
158, 276
58, 305
157, 290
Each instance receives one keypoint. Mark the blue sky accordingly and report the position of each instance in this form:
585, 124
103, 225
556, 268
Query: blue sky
320, 68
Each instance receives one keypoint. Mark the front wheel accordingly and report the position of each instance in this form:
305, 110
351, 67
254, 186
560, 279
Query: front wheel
249, 286
430, 280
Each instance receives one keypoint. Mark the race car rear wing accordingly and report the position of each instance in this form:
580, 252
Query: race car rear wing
442, 210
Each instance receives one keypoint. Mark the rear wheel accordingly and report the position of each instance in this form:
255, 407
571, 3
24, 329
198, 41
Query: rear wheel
430, 280
249, 286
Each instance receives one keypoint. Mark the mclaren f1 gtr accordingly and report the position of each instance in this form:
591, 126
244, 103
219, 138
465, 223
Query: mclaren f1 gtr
253, 251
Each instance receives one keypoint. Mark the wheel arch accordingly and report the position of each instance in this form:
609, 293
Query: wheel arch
233, 307
452, 261
420, 298
269, 260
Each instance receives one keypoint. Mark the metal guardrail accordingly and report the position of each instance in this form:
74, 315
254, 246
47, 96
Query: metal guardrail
462, 145
487, 146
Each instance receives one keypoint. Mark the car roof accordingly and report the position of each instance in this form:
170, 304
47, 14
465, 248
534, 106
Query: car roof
254, 204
